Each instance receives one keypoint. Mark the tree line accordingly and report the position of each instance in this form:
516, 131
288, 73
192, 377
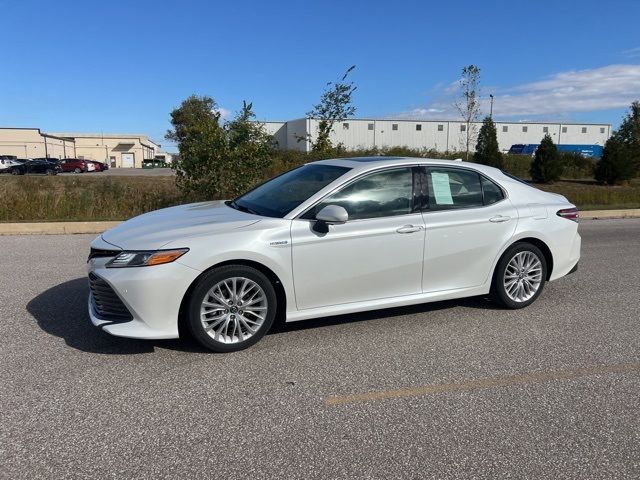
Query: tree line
224, 157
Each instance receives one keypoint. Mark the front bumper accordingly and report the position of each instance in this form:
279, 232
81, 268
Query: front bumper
152, 295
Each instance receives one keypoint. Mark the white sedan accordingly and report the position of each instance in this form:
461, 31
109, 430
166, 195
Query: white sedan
327, 238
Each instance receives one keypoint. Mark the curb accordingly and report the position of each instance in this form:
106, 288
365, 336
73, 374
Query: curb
55, 228
67, 228
609, 214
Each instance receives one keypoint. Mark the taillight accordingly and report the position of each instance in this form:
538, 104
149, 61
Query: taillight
568, 213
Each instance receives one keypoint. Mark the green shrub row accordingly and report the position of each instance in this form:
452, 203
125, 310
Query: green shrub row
85, 197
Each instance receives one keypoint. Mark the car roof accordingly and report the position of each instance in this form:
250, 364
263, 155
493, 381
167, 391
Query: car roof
367, 163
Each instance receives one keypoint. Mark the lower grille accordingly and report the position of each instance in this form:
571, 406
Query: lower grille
106, 302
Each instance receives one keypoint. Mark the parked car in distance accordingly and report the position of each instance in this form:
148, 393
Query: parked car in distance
154, 163
35, 166
99, 166
76, 165
6, 163
327, 238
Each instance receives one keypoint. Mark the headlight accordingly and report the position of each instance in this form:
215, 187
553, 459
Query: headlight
145, 259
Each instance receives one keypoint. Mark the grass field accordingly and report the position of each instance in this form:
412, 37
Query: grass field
42, 198
71, 198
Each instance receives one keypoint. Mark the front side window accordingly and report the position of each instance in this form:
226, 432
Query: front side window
450, 188
382, 194
280, 195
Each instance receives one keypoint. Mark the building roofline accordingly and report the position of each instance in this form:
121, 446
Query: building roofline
417, 120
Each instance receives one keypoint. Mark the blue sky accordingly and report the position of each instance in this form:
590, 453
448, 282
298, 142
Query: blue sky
122, 66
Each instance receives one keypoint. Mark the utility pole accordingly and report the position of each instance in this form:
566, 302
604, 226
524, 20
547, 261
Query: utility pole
491, 110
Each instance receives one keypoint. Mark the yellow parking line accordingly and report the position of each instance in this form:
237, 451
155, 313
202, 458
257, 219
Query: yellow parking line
483, 383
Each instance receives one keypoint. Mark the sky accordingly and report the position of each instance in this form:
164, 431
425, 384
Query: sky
122, 66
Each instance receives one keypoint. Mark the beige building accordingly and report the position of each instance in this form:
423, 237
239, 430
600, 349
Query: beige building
32, 143
118, 150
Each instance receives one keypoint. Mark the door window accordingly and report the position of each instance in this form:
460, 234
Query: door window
384, 194
451, 188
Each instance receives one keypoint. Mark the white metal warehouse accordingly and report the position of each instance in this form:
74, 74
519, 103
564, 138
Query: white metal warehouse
440, 135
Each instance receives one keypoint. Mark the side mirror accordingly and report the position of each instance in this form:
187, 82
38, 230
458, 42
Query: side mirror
332, 214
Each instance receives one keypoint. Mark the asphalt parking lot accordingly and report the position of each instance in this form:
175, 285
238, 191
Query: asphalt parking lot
126, 172
455, 389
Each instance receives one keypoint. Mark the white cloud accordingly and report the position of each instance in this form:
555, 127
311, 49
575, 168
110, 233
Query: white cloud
225, 114
632, 52
612, 86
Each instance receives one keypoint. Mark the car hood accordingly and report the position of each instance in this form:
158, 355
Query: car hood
155, 229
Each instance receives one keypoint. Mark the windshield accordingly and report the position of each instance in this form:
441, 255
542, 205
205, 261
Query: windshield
280, 195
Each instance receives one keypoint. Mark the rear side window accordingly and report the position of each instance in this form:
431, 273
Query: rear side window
450, 188
491, 193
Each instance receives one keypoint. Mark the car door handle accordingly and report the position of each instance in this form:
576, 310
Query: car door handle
409, 229
499, 219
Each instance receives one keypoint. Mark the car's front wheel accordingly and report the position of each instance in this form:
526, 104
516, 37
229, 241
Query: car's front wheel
231, 308
520, 276
77, 170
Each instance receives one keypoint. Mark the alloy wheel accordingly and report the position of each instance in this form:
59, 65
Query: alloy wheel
233, 310
523, 276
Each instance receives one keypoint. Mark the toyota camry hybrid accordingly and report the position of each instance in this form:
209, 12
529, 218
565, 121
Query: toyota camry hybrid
327, 238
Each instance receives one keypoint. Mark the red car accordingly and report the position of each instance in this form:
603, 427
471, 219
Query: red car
76, 165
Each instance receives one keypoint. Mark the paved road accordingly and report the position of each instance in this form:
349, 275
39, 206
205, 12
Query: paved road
450, 390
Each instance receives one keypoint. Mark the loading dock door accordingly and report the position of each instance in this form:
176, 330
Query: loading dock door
127, 160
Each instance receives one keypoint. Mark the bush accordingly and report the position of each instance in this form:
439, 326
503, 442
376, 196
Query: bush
576, 165
616, 165
546, 166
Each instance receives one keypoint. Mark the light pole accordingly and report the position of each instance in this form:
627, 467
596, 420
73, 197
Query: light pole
491, 109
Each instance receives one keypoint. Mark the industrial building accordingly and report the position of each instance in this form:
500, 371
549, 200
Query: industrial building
117, 150
440, 135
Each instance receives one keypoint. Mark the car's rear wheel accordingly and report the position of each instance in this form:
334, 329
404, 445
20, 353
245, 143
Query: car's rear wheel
520, 276
49, 172
77, 170
15, 171
231, 308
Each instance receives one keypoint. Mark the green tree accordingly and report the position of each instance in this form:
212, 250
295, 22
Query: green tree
217, 159
469, 105
487, 149
621, 157
546, 166
334, 106
616, 165
250, 150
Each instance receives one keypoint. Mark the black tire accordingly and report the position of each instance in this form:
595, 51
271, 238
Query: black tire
207, 282
77, 170
49, 172
498, 291
15, 171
